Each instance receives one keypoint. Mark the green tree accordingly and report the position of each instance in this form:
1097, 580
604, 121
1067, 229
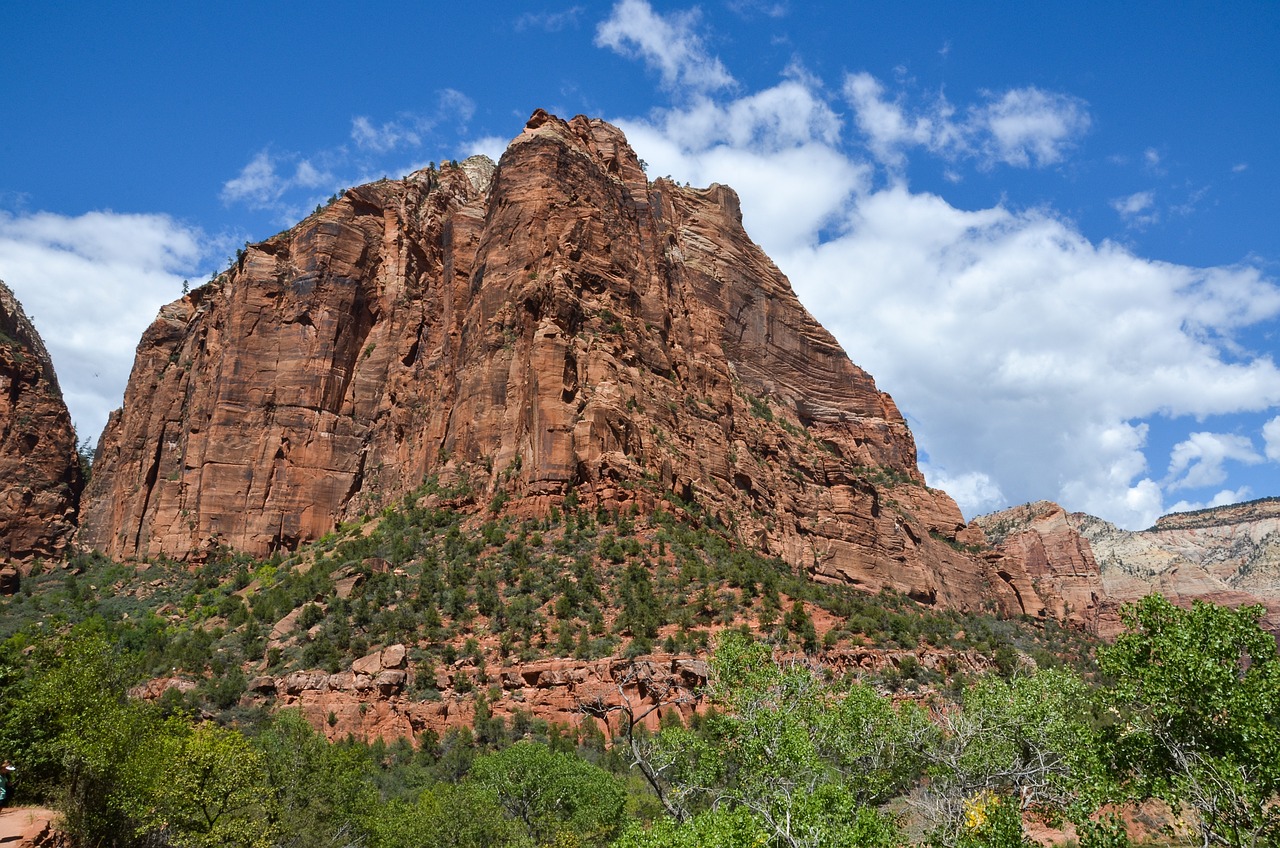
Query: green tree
446, 815
322, 792
1012, 745
553, 795
808, 761
1197, 716
66, 721
210, 791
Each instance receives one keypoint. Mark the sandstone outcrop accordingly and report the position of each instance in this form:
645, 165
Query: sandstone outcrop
555, 324
1226, 555
560, 691
40, 477
1048, 562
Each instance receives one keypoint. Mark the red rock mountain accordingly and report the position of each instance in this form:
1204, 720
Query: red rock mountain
40, 478
1228, 555
555, 324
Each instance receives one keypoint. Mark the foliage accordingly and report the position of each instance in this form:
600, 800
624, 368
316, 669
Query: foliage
1196, 718
553, 795
448, 816
67, 724
992, 821
210, 790
321, 791
1028, 742
808, 760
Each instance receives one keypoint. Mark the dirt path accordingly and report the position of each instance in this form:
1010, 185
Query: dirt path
21, 827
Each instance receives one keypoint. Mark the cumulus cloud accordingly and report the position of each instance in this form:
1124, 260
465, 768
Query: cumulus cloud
668, 44
1022, 127
1028, 126
92, 284
1137, 209
974, 488
492, 146
1028, 358
775, 148
1024, 351
1271, 439
1198, 461
261, 185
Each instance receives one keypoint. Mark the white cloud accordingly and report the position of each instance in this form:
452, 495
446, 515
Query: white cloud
257, 184
261, 185
750, 8
668, 44
1028, 358
1222, 498
290, 184
549, 21
380, 139
974, 491
887, 126
1022, 127
1024, 351
91, 285
1271, 439
1028, 126
776, 148
410, 130
1198, 461
1137, 209
492, 146
1153, 161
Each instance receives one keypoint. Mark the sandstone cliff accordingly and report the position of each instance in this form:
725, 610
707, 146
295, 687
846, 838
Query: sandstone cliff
1227, 555
40, 477
1041, 541
556, 324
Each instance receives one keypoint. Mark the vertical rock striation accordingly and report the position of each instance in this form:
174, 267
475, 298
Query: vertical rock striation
40, 478
557, 323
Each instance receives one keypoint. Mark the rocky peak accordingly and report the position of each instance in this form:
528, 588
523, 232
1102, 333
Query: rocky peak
556, 327
40, 477
1228, 555
1038, 543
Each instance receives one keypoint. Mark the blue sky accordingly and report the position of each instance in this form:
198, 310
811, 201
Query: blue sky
1049, 234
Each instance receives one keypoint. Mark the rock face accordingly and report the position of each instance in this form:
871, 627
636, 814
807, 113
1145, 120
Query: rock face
556, 324
40, 478
1227, 555
380, 697
1041, 541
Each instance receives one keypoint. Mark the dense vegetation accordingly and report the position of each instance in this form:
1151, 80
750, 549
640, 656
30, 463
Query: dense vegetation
789, 753
785, 757
453, 579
